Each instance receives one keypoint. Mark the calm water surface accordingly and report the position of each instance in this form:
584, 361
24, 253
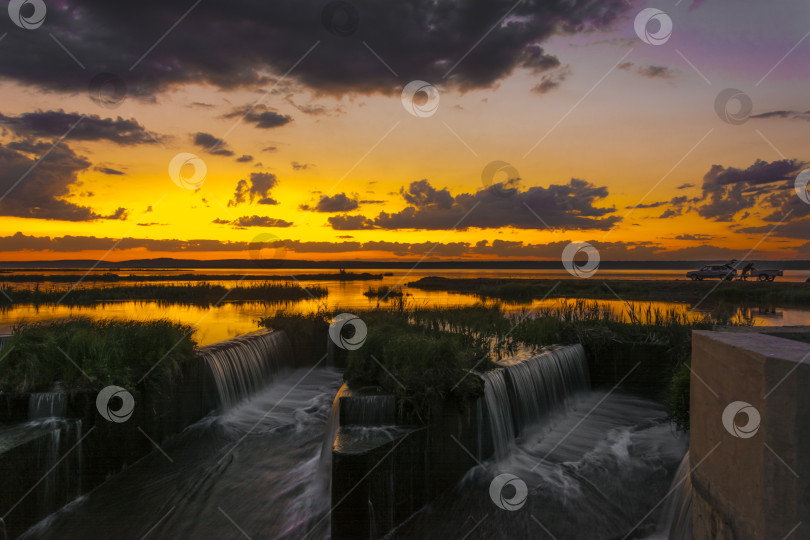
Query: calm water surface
232, 319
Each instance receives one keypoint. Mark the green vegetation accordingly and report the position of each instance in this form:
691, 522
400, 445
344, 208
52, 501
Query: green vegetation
706, 292
417, 361
200, 294
384, 292
307, 333
678, 395
109, 277
420, 354
81, 353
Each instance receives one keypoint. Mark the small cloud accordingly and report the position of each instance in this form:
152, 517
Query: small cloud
695, 237
337, 203
256, 188
108, 170
655, 72
244, 159
261, 116
552, 81
301, 166
649, 71
350, 223
211, 144
686, 186
254, 221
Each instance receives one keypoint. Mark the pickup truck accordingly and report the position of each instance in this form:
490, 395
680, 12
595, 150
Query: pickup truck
716, 271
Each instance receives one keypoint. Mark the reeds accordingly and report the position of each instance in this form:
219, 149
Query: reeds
83, 353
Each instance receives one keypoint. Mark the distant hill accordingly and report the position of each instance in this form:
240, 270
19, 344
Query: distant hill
281, 264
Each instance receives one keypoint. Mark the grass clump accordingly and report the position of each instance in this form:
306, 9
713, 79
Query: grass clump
307, 333
82, 353
422, 366
678, 395
383, 292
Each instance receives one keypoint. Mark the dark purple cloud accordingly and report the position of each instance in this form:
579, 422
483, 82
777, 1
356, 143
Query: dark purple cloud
236, 44
567, 206
211, 144
261, 116
55, 124
257, 188
35, 185
336, 203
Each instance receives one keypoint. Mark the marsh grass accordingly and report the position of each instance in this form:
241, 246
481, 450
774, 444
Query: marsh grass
192, 294
383, 292
83, 353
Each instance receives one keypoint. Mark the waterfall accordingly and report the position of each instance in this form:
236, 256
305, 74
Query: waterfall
496, 398
360, 410
47, 405
243, 365
353, 409
676, 521
59, 462
325, 461
528, 387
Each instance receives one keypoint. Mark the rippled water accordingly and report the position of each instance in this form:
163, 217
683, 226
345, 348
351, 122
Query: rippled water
598, 470
250, 471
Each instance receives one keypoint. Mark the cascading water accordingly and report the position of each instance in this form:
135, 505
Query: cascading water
57, 457
501, 423
592, 464
676, 521
244, 365
529, 387
47, 405
368, 410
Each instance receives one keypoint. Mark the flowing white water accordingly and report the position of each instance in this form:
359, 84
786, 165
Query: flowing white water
501, 423
244, 365
529, 387
594, 464
676, 520
256, 463
47, 405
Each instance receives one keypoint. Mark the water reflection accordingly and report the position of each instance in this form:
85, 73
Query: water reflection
231, 319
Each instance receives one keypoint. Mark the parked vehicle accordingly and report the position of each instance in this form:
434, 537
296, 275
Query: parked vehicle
713, 271
749, 271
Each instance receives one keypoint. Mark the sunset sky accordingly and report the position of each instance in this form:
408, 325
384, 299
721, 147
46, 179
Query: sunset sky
296, 108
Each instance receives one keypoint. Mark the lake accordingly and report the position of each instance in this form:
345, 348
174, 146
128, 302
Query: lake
231, 319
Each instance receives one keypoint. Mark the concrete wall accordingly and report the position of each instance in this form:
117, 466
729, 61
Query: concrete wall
754, 486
